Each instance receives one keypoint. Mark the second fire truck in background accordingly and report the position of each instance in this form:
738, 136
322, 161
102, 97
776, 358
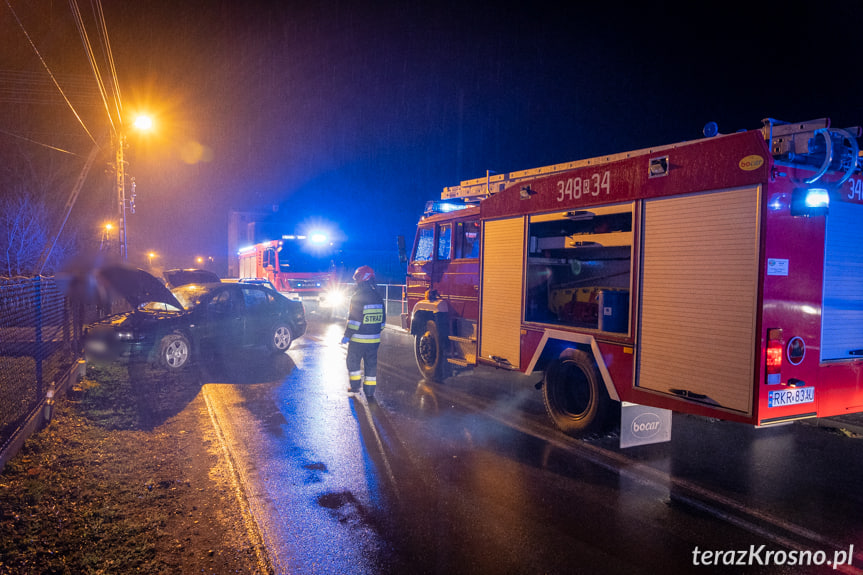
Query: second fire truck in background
301, 272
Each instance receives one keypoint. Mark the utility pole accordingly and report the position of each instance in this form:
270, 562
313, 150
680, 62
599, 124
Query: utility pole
120, 173
142, 123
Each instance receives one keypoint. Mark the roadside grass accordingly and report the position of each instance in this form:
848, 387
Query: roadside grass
108, 397
105, 489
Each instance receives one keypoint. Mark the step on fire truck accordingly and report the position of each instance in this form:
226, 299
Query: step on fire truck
310, 276
720, 277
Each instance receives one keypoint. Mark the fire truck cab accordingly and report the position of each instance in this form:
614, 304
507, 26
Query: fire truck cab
720, 277
309, 278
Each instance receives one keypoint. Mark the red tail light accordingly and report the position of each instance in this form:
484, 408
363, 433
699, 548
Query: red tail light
774, 356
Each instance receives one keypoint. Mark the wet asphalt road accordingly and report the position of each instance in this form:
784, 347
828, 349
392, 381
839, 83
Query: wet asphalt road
469, 477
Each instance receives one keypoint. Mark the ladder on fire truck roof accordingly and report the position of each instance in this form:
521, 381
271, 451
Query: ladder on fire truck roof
795, 144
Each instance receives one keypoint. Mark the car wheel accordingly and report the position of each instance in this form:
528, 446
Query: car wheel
174, 351
281, 338
429, 352
574, 395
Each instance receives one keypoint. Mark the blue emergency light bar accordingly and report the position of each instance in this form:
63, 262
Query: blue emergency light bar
443, 207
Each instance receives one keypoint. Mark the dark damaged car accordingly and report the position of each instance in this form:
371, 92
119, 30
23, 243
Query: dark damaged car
173, 327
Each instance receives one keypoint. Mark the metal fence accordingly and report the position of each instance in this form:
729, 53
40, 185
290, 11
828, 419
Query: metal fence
393, 301
40, 342
40, 337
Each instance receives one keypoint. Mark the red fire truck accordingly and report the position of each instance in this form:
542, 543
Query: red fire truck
721, 277
306, 275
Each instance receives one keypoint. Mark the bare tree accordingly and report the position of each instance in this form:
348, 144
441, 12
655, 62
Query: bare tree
44, 142
24, 233
31, 186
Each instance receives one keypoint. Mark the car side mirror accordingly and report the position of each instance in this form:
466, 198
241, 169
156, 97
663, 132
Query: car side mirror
403, 253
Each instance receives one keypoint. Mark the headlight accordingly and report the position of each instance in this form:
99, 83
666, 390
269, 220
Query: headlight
333, 298
124, 335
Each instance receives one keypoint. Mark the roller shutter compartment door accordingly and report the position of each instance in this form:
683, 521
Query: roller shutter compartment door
699, 295
502, 271
842, 305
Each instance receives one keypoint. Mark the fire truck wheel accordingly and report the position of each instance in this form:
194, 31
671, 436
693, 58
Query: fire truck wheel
174, 351
281, 338
575, 398
429, 352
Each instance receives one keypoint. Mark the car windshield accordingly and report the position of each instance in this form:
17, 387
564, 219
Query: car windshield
158, 306
265, 283
190, 295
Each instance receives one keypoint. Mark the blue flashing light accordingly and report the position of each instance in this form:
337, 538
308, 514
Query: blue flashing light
817, 198
778, 202
318, 238
442, 207
711, 129
449, 207
810, 202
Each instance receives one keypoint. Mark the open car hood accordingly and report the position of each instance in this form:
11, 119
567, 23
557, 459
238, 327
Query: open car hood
136, 286
177, 278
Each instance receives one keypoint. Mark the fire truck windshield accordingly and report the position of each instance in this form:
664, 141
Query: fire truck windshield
296, 260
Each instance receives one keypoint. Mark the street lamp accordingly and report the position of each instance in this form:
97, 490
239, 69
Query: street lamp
106, 235
141, 123
150, 257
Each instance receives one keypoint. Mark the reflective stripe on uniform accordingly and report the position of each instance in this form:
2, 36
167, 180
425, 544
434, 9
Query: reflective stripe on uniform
366, 337
355, 375
371, 381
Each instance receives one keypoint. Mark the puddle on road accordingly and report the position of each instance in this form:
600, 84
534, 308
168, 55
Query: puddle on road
316, 469
336, 500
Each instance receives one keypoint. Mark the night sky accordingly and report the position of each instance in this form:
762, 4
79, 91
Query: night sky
354, 114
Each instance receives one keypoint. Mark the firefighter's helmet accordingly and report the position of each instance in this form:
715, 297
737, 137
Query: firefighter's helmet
364, 274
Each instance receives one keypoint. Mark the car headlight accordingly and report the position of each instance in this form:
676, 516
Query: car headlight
124, 335
333, 298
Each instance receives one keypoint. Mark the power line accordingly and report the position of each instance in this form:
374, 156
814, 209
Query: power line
38, 143
99, 14
51, 74
21, 87
91, 57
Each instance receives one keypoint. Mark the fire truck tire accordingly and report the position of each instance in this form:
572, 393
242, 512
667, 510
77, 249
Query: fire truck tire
575, 398
281, 338
174, 351
429, 352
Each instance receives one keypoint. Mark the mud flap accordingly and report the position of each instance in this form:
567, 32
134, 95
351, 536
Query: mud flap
643, 425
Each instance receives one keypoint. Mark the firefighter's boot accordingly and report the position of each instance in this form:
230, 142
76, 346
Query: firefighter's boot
356, 378
369, 386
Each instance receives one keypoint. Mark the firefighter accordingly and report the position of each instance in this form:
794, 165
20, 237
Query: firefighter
363, 332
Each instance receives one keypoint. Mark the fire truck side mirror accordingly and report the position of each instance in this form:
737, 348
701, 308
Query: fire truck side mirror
271, 260
403, 253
